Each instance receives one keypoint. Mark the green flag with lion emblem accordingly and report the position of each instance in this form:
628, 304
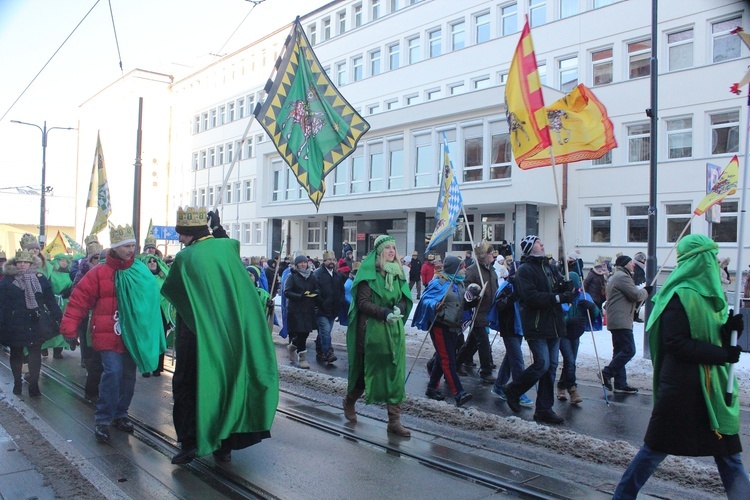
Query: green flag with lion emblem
313, 127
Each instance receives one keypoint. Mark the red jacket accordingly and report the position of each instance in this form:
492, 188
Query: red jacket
427, 272
96, 291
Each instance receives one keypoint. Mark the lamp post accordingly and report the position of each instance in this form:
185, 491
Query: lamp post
43, 207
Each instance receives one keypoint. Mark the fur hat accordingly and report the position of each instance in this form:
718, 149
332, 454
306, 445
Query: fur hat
622, 261
483, 249
328, 255
528, 243
451, 265
382, 241
29, 241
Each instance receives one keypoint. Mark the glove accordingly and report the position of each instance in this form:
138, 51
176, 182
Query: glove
472, 292
567, 286
270, 303
394, 316
566, 298
309, 294
649, 289
733, 353
72, 342
213, 220
397, 310
735, 322
587, 305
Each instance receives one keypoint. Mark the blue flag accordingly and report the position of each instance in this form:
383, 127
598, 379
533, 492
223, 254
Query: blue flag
449, 201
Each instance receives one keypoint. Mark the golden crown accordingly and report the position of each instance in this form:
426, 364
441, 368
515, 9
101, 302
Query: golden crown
120, 235
24, 256
92, 238
28, 240
192, 217
150, 240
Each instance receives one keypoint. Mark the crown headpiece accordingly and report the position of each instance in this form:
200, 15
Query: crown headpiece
24, 256
28, 241
150, 241
119, 236
191, 217
92, 238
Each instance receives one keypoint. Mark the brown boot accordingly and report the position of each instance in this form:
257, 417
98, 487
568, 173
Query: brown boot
561, 394
349, 412
575, 398
394, 421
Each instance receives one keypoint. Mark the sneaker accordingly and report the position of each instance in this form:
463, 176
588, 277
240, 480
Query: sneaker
548, 417
525, 401
626, 390
101, 431
499, 393
124, 424
606, 381
514, 402
462, 398
434, 394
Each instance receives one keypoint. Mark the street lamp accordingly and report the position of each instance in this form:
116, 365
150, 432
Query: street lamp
43, 207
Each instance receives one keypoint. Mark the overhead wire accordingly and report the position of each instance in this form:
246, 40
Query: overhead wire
117, 43
255, 4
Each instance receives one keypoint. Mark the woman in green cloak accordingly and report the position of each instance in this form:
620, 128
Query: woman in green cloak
375, 337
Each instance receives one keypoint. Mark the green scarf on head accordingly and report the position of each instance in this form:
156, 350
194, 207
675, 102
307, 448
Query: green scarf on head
697, 283
140, 316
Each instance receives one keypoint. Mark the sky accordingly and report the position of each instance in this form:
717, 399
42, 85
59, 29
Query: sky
165, 36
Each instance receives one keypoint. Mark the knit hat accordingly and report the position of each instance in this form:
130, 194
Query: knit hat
622, 261
382, 241
451, 265
528, 243
29, 241
299, 259
640, 257
575, 278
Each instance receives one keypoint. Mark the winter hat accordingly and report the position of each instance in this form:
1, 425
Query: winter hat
254, 271
483, 249
299, 259
451, 265
528, 243
622, 261
382, 241
574, 255
328, 255
640, 257
573, 276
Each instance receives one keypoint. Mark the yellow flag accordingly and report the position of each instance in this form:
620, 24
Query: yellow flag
56, 246
726, 185
104, 207
579, 128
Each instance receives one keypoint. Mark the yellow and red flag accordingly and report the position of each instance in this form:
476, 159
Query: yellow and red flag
56, 246
579, 128
726, 185
524, 103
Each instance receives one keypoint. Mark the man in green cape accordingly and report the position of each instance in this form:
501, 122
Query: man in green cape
225, 384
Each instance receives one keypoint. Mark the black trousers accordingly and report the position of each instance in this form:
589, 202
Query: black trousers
184, 386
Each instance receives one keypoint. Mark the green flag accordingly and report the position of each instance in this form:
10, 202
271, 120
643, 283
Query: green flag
313, 127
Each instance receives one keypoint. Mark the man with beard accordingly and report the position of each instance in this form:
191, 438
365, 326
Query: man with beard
331, 287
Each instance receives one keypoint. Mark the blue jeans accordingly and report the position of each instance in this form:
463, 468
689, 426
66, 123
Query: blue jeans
569, 351
543, 370
623, 350
512, 365
116, 387
323, 340
733, 475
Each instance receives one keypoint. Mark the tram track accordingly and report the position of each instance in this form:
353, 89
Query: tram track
235, 486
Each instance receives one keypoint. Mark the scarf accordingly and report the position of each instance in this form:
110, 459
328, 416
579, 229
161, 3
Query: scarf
305, 273
697, 283
29, 283
455, 278
392, 271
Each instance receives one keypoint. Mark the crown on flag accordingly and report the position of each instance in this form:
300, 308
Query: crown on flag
191, 217
120, 235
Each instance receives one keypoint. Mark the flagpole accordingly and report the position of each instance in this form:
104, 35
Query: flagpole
234, 162
740, 240
559, 213
664, 262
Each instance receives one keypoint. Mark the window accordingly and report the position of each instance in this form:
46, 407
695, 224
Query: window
678, 216
414, 50
601, 66
220, 155
680, 137
277, 187
236, 232
500, 154
568, 73
372, 109
211, 196
482, 27
250, 190
602, 3
202, 197
509, 19
236, 146
203, 159
463, 232
601, 224
639, 142
393, 53
230, 152
341, 73
431, 95
726, 230
312, 32
241, 108
394, 8
458, 88
376, 167
257, 233
250, 103
250, 151
568, 8
473, 153
357, 173
314, 234
222, 115
339, 180
481, 83
542, 70
375, 10
411, 99
194, 199
230, 112
357, 15
326, 29
725, 45
228, 194
639, 55
436, 40
236, 189
604, 160
212, 119
458, 35
247, 233
375, 62
424, 173
636, 218
493, 228
292, 186
396, 164
197, 124
211, 157
725, 132
204, 119
341, 16
680, 49
195, 161
537, 12
391, 104
357, 69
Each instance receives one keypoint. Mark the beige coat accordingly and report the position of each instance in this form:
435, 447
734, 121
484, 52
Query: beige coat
622, 296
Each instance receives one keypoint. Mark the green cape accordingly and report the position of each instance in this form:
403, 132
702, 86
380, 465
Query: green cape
696, 281
59, 281
385, 343
167, 309
238, 381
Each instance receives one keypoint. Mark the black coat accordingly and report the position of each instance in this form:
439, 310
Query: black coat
489, 276
536, 286
331, 297
19, 326
415, 269
679, 422
300, 315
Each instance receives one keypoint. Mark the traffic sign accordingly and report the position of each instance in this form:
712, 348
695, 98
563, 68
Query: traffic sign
165, 233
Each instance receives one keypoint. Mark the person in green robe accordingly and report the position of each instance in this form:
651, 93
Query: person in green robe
375, 338
159, 270
226, 383
61, 286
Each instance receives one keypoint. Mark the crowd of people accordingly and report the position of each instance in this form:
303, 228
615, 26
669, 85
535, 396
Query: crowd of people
124, 310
